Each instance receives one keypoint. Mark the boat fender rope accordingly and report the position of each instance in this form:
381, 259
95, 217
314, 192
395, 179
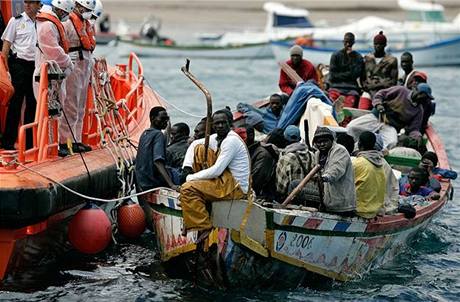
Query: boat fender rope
80, 194
176, 107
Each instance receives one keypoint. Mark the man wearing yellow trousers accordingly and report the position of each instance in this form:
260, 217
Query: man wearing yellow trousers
226, 178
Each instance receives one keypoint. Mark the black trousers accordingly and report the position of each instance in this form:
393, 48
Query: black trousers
21, 77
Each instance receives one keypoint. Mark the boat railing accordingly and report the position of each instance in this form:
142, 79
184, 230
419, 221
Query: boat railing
126, 89
135, 95
127, 83
44, 144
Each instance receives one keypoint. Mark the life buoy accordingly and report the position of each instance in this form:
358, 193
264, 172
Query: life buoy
84, 31
63, 42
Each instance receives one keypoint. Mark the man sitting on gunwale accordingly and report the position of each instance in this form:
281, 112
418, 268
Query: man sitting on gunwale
224, 175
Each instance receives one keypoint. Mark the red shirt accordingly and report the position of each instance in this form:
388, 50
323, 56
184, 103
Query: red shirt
305, 70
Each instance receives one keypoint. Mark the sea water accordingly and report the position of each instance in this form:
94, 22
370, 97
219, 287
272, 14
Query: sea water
427, 270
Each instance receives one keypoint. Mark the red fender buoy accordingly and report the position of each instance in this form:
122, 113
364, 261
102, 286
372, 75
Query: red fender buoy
90, 230
131, 220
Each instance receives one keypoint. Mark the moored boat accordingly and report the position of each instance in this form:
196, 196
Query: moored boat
36, 203
259, 244
104, 38
441, 53
147, 48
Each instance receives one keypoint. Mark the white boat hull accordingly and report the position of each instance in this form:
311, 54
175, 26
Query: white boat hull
259, 51
442, 53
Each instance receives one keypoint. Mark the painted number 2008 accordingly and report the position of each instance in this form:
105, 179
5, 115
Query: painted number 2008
300, 240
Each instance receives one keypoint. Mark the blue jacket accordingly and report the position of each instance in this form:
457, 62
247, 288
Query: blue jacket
297, 103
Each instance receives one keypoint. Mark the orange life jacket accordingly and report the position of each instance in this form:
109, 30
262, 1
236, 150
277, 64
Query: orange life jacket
63, 42
86, 35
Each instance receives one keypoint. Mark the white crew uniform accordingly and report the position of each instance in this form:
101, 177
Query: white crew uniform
49, 50
20, 32
76, 86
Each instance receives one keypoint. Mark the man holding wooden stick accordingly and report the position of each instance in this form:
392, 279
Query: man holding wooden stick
339, 195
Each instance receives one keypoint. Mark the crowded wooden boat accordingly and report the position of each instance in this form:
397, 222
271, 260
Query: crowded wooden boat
364, 173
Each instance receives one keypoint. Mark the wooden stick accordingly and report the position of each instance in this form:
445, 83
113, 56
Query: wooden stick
207, 94
290, 72
300, 186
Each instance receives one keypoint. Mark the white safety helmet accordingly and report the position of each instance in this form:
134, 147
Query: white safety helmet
97, 12
65, 5
89, 4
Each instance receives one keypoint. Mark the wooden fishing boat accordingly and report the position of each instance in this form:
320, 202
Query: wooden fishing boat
262, 245
35, 208
439, 53
104, 38
145, 48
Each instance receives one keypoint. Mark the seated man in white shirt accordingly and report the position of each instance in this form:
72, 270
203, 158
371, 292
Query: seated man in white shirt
226, 178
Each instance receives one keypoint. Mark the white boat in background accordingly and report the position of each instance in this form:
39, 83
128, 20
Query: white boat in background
147, 48
443, 53
425, 23
282, 23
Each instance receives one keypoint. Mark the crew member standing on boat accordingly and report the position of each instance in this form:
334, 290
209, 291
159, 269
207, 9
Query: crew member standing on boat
337, 174
224, 175
304, 69
82, 43
380, 71
19, 44
52, 43
345, 68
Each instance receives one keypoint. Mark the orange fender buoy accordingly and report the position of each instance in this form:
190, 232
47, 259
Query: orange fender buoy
90, 230
131, 220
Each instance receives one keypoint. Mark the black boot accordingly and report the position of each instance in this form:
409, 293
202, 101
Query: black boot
63, 150
80, 147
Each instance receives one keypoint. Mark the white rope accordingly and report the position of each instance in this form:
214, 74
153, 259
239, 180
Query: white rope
176, 107
83, 195
184, 112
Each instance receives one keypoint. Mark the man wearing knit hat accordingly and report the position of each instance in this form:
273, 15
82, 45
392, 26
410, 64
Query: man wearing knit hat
304, 68
336, 173
380, 71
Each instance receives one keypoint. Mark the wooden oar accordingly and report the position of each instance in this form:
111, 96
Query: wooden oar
207, 94
292, 74
301, 185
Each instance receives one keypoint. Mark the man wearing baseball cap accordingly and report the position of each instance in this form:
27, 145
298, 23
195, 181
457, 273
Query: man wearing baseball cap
380, 71
395, 108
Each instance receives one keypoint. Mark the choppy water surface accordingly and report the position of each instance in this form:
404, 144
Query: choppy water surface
427, 270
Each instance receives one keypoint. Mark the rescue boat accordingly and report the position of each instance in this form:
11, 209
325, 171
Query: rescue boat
260, 244
36, 201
